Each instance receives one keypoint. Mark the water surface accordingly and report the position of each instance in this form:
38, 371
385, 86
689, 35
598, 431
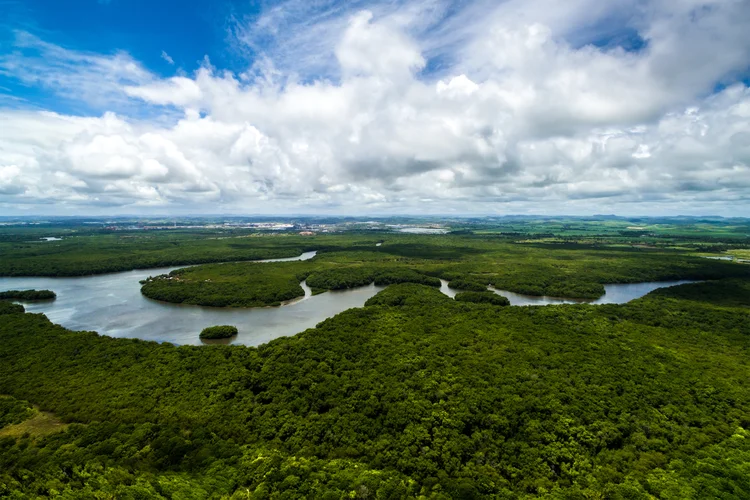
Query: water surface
112, 305
614, 294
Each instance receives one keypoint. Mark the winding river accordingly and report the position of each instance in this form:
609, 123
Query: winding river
613, 294
112, 305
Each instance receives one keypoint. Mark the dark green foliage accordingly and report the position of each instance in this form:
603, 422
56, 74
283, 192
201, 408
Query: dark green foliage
582, 273
337, 278
243, 284
730, 293
563, 269
251, 284
410, 294
28, 294
393, 276
13, 411
472, 286
485, 297
415, 395
10, 308
106, 253
341, 278
218, 332
432, 397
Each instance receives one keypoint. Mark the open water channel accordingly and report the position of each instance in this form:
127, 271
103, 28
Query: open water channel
112, 305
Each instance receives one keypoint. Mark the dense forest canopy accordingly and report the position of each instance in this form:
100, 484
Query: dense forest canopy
27, 295
470, 263
414, 395
483, 298
417, 395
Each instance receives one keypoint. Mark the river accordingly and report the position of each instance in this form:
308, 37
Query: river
613, 294
112, 305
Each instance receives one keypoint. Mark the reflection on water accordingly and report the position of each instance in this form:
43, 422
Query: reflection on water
225, 341
450, 292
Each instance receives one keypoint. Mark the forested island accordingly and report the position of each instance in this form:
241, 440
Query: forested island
27, 295
469, 263
413, 395
218, 332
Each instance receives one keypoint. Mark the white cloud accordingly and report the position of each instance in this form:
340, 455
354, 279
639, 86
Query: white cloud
92, 78
532, 119
376, 50
178, 91
167, 57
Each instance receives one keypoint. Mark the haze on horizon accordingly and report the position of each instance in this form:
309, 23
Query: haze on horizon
633, 107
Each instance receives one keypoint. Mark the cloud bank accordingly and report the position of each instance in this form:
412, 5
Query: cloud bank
541, 107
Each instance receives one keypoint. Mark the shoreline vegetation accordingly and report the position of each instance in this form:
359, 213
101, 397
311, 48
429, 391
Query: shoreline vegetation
413, 395
28, 295
218, 332
469, 264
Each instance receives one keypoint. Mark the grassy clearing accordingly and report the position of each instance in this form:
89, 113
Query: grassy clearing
740, 253
41, 424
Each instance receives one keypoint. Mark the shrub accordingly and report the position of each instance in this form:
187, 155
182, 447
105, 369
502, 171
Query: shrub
10, 308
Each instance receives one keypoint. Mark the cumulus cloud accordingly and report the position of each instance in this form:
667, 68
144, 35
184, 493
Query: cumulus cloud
535, 113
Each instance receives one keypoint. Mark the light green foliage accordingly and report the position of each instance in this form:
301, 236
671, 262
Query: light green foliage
13, 411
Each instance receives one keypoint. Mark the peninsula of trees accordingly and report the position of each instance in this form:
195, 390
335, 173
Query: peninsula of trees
28, 295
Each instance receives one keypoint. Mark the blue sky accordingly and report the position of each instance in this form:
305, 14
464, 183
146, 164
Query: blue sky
185, 31
375, 106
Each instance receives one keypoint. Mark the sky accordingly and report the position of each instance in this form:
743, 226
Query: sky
435, 107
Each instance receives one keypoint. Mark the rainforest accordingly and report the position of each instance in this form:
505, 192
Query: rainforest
413, 394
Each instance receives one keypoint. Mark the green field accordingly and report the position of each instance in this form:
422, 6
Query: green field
87, 249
